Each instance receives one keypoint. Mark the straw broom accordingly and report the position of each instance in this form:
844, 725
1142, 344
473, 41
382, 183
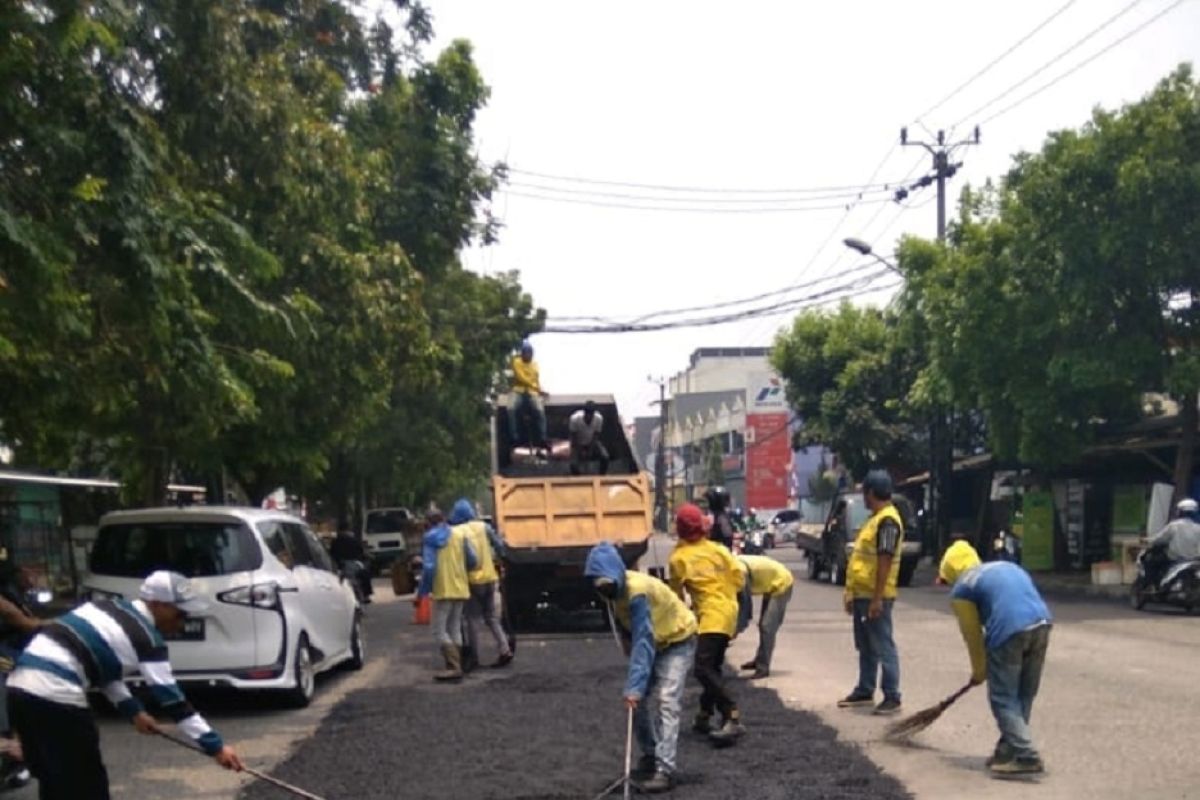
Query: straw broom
915, 723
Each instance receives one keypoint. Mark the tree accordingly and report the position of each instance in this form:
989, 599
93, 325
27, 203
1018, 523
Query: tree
1071, 289
714, 462
822, 484
849, 380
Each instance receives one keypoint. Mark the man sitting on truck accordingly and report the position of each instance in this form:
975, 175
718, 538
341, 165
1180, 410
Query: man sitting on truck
527, 399
708, 573
659, 634
584, 428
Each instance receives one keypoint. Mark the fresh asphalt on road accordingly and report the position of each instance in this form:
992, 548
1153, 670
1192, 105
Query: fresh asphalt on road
1115, 718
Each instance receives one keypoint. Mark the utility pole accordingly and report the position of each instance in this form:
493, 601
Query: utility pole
660, 462
941, 425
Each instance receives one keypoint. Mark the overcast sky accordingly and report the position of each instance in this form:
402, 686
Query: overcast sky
754, 95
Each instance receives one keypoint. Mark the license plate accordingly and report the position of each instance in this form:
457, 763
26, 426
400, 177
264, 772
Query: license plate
193, 631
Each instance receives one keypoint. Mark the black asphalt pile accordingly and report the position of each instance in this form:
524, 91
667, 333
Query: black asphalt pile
554, 727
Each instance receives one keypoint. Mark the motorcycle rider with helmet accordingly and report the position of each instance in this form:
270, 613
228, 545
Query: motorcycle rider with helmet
1177, 542
718, 505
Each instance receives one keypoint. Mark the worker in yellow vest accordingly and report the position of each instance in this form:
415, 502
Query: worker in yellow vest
871, 578
447, 558
659, 634
767, 577
481, 607
527, 395
709, 575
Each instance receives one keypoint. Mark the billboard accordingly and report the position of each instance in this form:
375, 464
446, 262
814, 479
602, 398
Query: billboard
768, 458
765, 394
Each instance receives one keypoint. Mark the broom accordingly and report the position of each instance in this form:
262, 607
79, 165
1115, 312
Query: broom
915, 723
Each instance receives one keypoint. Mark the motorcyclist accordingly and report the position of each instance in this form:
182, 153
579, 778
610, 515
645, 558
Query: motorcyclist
351, 559
718, 505
1177, 542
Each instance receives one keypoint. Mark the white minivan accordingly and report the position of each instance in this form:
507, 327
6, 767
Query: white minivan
278, 611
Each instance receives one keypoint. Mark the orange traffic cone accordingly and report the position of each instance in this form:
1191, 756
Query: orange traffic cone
422, 610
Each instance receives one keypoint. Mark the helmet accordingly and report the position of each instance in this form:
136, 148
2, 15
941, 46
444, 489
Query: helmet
878, 483
717, 497
1187, 506
526, 346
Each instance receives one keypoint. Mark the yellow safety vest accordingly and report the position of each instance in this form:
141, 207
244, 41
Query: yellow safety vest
864, 561
673, 622
476, 533
450, 579
711, 576
525, 376
767, 576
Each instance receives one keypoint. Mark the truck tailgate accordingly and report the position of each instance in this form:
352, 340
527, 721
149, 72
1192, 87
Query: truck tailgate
572, 511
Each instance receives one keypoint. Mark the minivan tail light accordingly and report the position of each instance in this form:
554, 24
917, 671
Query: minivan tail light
257, 595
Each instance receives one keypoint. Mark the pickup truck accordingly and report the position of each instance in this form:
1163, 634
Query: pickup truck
828, 551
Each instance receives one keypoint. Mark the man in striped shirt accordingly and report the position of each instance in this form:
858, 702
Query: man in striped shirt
94, 646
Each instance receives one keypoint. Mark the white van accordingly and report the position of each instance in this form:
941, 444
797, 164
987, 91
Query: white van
383, 535
278, 611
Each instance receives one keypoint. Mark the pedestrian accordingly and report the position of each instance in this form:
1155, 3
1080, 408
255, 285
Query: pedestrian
18, 624
658, 633
481, 607
709, 575
584, 428
767, 577
871, 578
1006, 626
526, 400
350, 556
721, 529
446, 558
91, 648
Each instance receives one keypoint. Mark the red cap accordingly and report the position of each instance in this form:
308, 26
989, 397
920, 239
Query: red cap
689, 522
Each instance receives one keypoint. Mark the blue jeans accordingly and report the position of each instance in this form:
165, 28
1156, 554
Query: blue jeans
769, 621
659, 736
1014, 672
876, 649
526, 404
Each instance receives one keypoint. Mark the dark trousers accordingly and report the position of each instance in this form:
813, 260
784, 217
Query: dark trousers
710, 658
62, 747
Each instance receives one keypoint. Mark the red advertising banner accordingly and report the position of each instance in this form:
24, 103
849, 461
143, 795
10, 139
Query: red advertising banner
768, 459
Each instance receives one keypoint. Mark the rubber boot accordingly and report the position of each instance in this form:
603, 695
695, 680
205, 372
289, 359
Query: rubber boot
453, 671
728, 734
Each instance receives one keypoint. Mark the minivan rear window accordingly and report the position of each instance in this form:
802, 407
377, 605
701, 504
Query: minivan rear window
387, 521
194, 549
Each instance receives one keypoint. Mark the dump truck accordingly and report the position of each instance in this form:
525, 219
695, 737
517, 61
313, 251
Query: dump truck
549, 518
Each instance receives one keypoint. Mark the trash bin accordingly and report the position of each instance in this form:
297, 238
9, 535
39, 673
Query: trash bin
401, 578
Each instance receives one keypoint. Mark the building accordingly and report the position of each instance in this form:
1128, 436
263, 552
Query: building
728, 421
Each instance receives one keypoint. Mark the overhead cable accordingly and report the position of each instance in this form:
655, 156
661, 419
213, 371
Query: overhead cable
1079, 43
575, 191
1085, 62
701, 189
987, 67
781, 209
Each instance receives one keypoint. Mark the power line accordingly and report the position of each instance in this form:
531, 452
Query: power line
1086, 61
1098, 29
987, 67
687, 209
859, 286
572, 191
700, 189
712, 306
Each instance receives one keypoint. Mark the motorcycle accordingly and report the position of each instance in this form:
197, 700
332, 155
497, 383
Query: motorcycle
360, 579
754, 542
1006, 547
1178, 586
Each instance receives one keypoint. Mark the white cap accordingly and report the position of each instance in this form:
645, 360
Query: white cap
1187, 506
171, 587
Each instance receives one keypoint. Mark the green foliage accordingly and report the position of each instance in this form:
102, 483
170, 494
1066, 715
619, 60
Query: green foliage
848, 378
228, 242
1070, 290
714, 463
822, 484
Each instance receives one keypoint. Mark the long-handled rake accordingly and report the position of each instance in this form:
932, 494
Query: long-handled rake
296, 790
915, 723
626, 779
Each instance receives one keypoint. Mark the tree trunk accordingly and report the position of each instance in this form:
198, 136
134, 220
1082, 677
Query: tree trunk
1185, 455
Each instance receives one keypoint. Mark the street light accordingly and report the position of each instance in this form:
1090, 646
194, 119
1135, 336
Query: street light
862, 247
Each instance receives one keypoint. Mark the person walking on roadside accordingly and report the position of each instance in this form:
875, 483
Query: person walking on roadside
481, 607
658, 633
1006, 627
709, 575
871, 578
446, 559
767, 577
18, 624
93, 647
